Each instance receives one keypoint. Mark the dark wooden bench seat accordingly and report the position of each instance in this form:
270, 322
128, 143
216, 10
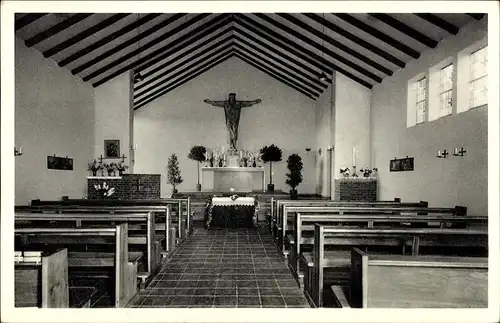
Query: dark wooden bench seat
426, 241
113, 237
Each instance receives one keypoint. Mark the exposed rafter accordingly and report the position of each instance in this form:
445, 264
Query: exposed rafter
378, 34
477, 16
84, 34
56, 29
405, 29
28, 19
439, 22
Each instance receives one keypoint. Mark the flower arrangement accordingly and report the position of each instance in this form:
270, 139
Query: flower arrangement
105, 190
345, 171
121, 167
366, 172
94, 167
233, 196
110, 168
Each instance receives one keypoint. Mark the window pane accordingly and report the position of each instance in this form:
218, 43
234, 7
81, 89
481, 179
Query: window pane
446, 78
420, 112
479, 63
421, 90
479, 92
445, 103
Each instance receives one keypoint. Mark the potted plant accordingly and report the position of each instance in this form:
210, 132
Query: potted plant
174, 173
198, 154
295, 174
271, 154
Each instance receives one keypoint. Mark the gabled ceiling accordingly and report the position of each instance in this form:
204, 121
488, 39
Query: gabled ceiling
170, 49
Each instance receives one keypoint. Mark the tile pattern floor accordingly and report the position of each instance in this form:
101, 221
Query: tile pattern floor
224, 268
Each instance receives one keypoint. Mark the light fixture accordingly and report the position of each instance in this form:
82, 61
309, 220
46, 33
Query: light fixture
460, 152
443, 154
18, 152
323, 77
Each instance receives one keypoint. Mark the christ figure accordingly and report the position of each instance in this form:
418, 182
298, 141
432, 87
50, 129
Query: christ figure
232, 110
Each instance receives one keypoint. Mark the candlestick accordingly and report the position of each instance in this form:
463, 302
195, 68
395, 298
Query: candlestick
354, 156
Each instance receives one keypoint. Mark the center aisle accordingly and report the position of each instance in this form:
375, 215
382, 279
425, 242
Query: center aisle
224, 268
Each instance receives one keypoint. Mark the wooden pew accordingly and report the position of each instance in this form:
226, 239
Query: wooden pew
148, 243
304, 226
343, 239
125, 271
164, 212
41, 279
395, 281
185, 227
339, 210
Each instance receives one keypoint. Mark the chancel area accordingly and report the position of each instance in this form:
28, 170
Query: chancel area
251, 160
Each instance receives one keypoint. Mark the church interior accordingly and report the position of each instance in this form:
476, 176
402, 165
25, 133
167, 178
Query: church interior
250, 160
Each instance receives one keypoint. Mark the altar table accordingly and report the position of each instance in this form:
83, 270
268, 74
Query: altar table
228, 212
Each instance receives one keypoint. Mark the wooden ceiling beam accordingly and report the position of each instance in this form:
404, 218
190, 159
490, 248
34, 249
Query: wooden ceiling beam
394, 60
146, 82
298, 79
84, 34
355, 39
378, 34
185, 79
28, 19
283, 54
477, 16
132, 41
273, 75
324, 50
197, 64
104, 41
405, 29
167, 50
57, 28
439, 22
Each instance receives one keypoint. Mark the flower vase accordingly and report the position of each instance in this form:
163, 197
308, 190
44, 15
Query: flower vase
254, 164
120, 172
94, 173
110, 173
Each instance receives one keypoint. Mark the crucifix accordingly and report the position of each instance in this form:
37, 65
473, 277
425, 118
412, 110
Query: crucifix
232, 111
123, 158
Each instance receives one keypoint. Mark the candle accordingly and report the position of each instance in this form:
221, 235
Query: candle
20, 149
439, 153
353, 156
456, 150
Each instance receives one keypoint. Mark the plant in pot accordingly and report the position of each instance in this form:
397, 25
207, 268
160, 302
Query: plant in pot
173, 172
294, 175
271, 154
198, 154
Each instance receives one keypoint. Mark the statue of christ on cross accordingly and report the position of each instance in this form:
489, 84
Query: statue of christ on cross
232, 110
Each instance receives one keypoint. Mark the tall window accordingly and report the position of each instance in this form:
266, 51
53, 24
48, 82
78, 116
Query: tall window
445, 95
478, 78
420, 103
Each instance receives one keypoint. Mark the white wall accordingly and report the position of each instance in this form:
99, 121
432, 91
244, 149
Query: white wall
180, 119
352, 124
324, 139
54, 114
112, 116
441, 182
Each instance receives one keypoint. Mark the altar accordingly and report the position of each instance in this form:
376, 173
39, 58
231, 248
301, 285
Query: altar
231, 211
241, 179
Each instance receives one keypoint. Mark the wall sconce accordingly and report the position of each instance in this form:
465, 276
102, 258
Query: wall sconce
443, 154
18, 152
460, 152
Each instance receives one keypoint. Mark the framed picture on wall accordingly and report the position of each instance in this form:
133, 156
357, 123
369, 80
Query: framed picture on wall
395, 165
59, 163
112, 148
407, 164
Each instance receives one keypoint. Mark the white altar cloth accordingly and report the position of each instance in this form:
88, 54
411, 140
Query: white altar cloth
226, 201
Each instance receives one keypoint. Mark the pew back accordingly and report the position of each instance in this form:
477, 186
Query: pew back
396, 281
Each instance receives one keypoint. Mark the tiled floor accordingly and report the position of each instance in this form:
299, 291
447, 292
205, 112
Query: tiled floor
224, 268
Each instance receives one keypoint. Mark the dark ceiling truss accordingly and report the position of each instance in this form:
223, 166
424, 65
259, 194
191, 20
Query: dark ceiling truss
299, 80
276, 74
193, 63
54, 30
324, 50
84, 34
337, 44
378, 34
284, 63
130, 42
284, 46
169, 49
405, 29
477, 16
394, 60
224, 42
163, 67
27, 19
439, 22
89, 49
197, 70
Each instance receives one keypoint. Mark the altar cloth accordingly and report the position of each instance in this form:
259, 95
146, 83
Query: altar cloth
227, 201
